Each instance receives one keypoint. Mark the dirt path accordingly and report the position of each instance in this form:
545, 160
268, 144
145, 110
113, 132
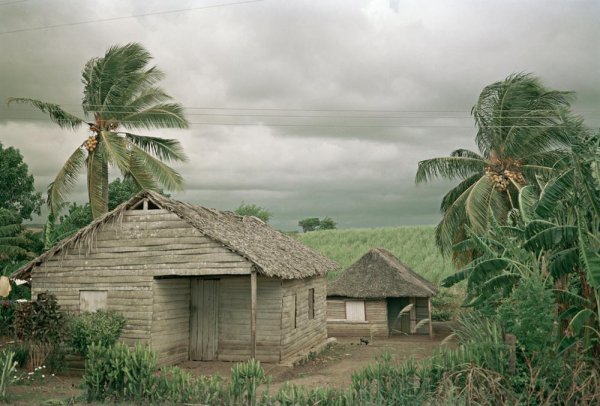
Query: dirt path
334, 366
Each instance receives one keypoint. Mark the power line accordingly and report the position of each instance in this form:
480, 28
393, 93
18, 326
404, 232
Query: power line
127, 17
311, 125
327, 110
8, 3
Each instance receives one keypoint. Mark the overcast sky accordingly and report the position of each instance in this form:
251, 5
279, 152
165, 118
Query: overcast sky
393, 82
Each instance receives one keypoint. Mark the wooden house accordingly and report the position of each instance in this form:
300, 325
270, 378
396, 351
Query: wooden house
379, 296
194, 283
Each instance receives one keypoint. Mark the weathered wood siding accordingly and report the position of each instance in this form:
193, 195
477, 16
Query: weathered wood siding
307, 333
422, 313
171, 320
123, 261
234, 319
375, 325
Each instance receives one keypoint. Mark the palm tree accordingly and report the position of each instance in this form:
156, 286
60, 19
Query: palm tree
120, 92
523, 131
13, 243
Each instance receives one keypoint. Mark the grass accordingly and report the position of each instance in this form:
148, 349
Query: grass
414, 246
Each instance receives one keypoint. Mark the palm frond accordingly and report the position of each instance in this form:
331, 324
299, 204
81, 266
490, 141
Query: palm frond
164, 115
554, 191
450, 197
483, 200
448, 168
54, 111
589, 259
161, 148
65, 180
453, 222
158, 171
116, 150
528, 198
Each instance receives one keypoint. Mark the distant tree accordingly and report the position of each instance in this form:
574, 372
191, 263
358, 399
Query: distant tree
327, 224
254, 210
309, 224
120, 191
13, 242
16, 184
80, 215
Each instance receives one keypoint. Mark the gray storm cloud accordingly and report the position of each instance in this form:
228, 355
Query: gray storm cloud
406, 76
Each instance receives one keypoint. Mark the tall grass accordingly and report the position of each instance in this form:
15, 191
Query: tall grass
414, 246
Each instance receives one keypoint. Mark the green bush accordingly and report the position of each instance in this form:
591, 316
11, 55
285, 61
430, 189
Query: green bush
119, 373
102, 327
7, 315
529, 314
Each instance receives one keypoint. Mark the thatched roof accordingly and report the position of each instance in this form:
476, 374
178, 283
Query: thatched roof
273, 253
379, 274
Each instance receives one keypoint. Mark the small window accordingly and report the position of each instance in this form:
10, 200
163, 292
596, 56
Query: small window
311, 303
355, 310
92, 300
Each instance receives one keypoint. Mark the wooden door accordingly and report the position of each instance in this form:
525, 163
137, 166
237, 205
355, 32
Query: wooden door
204, 316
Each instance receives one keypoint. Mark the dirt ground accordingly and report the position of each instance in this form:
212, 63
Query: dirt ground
333, 367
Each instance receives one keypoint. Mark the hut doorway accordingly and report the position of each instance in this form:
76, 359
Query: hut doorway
204, 318
398, 325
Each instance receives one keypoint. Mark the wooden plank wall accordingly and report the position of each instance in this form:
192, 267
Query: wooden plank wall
376, 324
171, 320
308, 333
124, 259
234, 319
422, 313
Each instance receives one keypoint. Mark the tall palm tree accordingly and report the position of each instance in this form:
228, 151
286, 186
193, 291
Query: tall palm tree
120, 92
523, 129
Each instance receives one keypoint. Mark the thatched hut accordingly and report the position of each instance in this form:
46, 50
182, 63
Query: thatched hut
194, 283
379, 296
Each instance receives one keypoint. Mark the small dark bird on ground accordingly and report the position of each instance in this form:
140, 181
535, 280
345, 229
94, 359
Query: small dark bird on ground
364, 340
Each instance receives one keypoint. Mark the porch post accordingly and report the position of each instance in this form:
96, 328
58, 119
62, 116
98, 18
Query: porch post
253, 314
413, 315
430, 321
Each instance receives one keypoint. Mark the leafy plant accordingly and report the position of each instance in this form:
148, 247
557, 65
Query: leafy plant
254, 210
102, 327
245, 379
118, 373
42, 326
7, 370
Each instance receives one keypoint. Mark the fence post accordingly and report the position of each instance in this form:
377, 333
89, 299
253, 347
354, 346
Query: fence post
511, 342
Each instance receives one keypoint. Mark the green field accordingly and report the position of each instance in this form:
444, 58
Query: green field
414, 246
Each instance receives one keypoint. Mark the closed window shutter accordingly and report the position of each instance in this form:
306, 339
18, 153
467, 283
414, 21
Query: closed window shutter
355, 310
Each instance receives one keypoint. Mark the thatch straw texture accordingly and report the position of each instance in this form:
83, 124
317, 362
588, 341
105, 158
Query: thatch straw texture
379, 274
273, 253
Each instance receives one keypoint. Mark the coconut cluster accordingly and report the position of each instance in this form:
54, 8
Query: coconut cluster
91, 143
503, 177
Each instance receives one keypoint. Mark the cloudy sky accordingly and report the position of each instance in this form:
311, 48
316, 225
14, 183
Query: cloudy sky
308, 108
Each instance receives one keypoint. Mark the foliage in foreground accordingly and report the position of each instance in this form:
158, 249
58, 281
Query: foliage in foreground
7, 370
102, 328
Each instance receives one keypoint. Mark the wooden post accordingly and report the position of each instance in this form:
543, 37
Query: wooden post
511, 342
430, 321
253, 314
413, 315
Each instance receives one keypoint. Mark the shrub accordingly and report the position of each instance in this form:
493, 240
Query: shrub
118, 373
175, 386
7, 370
7, 313
102, 327
528, 313
246, 377
42, 326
